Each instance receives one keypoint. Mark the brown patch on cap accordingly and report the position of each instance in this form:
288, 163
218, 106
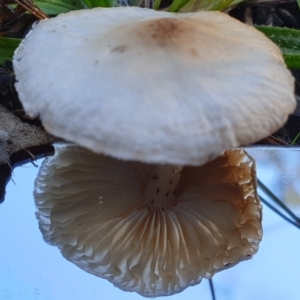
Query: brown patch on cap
166, 31
172, 35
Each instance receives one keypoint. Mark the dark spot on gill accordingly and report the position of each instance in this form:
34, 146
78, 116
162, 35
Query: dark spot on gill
157, 191
167, 194
150, 204
171, 182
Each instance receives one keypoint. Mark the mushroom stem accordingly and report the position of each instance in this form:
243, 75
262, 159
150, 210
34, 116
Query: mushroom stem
162, 187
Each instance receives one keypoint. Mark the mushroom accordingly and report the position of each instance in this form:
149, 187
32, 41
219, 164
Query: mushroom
153, 86
123, 221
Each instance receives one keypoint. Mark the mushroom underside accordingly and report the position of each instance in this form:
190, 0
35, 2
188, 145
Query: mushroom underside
126, 221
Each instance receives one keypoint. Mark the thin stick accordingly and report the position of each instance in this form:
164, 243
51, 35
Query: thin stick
212, 290
279, 212
278, 201
33, 9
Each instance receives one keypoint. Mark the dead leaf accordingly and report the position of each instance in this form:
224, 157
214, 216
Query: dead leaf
16, 135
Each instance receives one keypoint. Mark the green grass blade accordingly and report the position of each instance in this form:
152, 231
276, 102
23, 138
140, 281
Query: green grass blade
156, 4
295, 139
196, 5
55, 7
7, 48
178, 4
100, 3
289, 42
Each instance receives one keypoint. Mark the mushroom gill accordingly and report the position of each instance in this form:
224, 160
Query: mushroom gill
106, 216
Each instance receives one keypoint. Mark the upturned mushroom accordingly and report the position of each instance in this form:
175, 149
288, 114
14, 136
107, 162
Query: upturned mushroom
157, 87
170, 90
144, 232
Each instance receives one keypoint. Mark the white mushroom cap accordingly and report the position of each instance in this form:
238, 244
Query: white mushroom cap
97, 211
153, 86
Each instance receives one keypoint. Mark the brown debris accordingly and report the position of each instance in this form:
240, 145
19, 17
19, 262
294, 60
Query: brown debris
16, 135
